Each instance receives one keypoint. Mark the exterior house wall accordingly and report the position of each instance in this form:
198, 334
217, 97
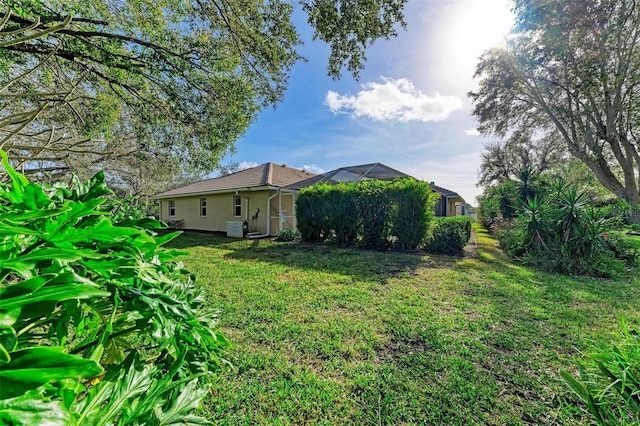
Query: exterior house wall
220, 209
452, 206
439, 208
446, 206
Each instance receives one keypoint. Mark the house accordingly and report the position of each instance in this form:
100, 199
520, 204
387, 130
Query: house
351, 174
449, 203
466, 209
252, 196
262, 198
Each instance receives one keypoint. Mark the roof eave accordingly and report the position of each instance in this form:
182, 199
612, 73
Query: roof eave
219, 191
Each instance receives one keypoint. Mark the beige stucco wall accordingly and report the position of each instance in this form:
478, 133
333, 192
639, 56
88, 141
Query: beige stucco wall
220, 209
451, 211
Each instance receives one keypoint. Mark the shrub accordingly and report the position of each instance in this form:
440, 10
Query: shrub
562, 232
449, 235
289, 234
370, 214
311, 214
98, 325
623, 249
413, 213
513, 239
376, 209
609, 380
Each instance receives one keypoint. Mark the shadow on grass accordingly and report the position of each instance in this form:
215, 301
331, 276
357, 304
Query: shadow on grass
364, 265
191, 239
358, 264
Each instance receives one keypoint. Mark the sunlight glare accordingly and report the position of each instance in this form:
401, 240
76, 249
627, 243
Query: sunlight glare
478, 25
467, 28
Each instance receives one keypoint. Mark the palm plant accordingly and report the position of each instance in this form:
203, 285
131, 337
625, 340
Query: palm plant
525, 182
571, 203
536, 227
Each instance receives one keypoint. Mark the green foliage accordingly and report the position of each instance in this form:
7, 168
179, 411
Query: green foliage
560, 230
289, 234
609, 380
498, 203
449, 235
413, 214
173, 80
350, 26
97, 324
369, 214
560, 71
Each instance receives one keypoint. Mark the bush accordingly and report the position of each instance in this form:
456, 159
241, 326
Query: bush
98, 324
449, 235
623, 249
369, 214
513, 238
609, 380
560, 231
413, 213
376, 208
289, 234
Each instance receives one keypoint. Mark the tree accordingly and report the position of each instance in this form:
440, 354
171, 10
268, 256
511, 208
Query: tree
572, 67
503, 159
87, 82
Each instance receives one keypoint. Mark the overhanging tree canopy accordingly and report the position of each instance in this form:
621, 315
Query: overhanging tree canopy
89, 81
573, 67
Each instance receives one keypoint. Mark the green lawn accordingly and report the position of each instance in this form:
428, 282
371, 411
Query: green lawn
634, 240
336, 336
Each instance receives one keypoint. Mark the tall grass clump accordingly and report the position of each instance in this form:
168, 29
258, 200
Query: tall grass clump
98, 325
608, 382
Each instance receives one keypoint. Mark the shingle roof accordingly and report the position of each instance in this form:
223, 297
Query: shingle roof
268, 174
365, 172
443, 191
352, 174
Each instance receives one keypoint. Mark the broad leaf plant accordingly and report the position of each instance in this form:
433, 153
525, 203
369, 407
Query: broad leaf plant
98, 324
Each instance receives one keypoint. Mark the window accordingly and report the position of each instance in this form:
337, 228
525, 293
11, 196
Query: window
172, 208
237, 206
203, 206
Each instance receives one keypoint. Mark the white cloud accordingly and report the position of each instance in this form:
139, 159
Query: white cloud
472, 132
243, 165
313, 169
394, 100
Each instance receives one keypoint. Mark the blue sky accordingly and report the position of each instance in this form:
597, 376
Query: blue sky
409, 109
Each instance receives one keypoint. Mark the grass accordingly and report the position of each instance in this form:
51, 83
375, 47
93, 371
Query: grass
336, 336
633, 240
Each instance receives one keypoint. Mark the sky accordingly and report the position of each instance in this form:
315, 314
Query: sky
408, 110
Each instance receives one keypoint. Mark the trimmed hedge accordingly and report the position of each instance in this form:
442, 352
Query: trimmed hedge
369, 214
450, 235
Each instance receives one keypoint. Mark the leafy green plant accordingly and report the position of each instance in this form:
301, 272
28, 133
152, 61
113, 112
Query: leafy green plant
414, 213
369, 214
289, 234
449, 235
609, 380
559, 229
98, 325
